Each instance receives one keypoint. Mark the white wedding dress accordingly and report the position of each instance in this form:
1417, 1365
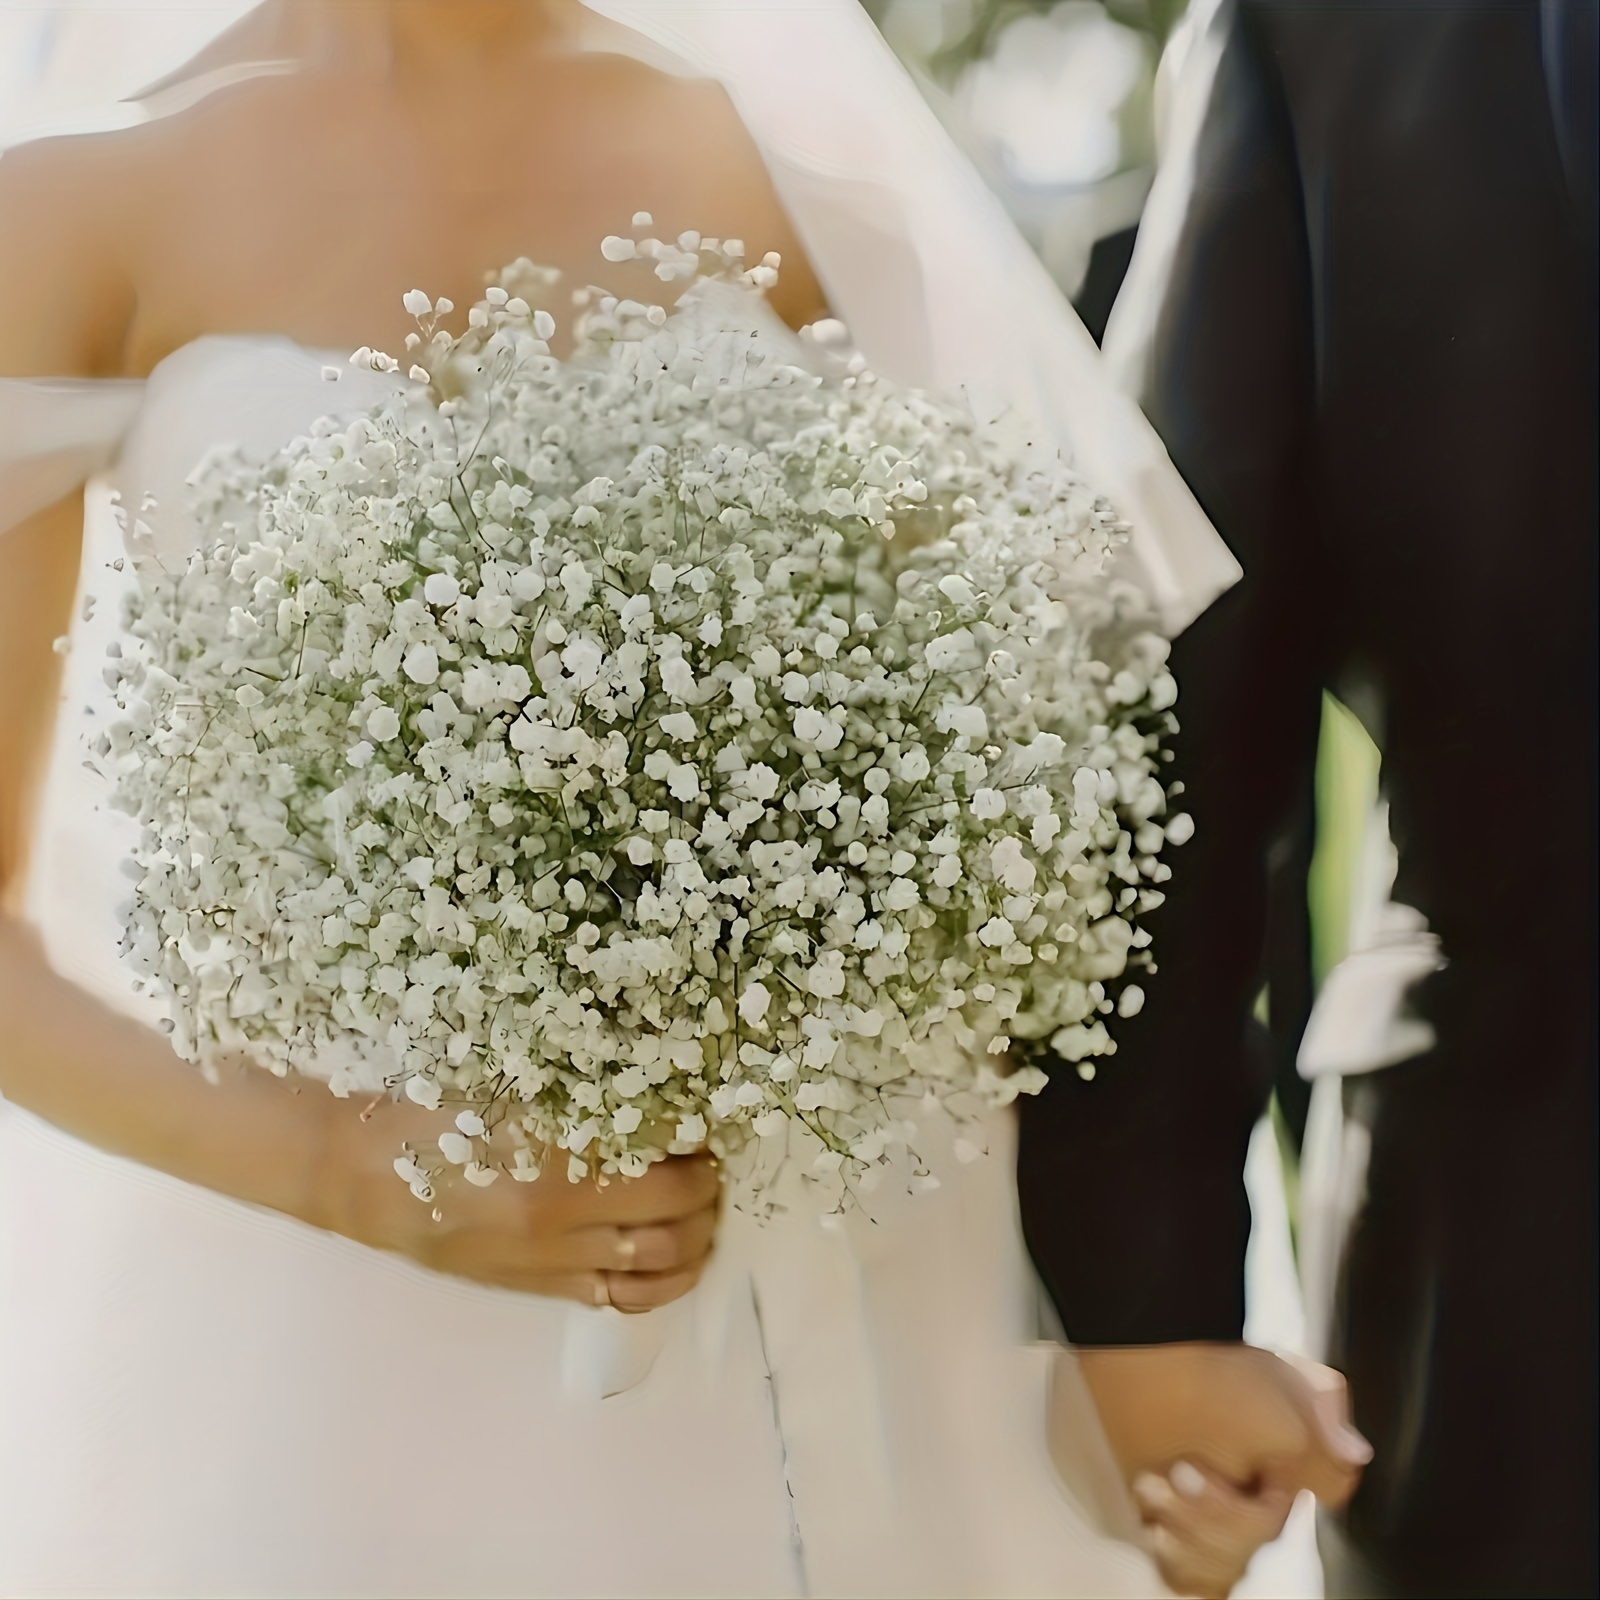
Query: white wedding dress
202, 1398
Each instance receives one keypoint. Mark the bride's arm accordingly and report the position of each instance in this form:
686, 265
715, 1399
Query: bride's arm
62, 1054
118, 1085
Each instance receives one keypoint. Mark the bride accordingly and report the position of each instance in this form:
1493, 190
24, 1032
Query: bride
221, 1316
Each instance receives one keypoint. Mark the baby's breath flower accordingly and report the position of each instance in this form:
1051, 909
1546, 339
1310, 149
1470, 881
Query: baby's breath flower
657, 748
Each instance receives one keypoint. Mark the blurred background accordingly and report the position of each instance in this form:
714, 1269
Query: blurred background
1056, 104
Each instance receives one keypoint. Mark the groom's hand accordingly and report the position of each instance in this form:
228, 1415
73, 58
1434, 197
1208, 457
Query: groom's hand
1252, 1418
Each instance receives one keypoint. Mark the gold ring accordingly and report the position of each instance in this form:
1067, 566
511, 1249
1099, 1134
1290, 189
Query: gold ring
627, 1250
602, 1290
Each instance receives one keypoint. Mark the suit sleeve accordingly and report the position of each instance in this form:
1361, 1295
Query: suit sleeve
1131, 1185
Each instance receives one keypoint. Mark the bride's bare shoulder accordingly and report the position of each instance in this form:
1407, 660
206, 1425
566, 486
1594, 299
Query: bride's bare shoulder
79, 215
64, 281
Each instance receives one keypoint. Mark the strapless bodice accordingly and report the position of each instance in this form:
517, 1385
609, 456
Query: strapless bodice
254, 392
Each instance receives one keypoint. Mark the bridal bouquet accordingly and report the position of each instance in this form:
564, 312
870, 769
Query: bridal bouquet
661, 747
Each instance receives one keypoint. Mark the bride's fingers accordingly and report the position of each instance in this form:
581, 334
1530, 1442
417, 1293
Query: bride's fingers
652, 1247
1204, 1529
671, 1189
587, 1288
643, 1291
1188, 1572
626, 1291
666, 1247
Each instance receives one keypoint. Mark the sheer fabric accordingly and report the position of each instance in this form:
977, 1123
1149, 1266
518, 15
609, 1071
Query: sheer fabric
916, 255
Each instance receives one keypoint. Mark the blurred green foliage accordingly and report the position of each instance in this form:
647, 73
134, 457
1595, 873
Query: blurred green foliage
1346, 789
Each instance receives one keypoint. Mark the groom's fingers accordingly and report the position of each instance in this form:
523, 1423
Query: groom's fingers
1244, 1412
1335, 1453
1330, 1477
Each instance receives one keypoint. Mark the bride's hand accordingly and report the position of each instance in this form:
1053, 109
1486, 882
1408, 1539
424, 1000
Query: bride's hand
116, 1083
1202, 1530
634, 1244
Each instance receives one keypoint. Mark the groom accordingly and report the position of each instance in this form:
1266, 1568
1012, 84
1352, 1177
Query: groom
1377, 369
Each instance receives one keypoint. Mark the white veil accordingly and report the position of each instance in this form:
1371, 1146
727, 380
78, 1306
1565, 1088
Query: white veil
915, 253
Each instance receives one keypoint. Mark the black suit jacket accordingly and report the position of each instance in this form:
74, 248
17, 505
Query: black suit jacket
1377, 370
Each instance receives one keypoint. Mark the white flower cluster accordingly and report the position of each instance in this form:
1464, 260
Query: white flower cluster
648, 749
